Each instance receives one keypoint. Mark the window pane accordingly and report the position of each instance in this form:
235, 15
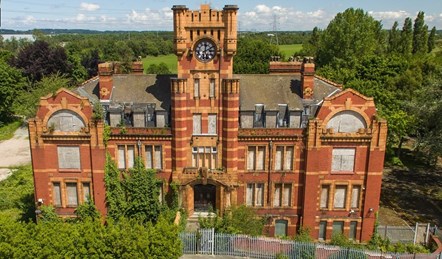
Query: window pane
355, 194
149, 157
212, 124
249, 194
158, 158
260, 158
278, 158
212, 88
281, 227
338, 227
68, 157
343, 159
71, 190
251, 158
324, 196
322, 230
277, 195
287, 195
56, 195
86, 191
288, 165
196, 124
339, 201
121, 157
352, 233
259, 194
130, 156
196, 88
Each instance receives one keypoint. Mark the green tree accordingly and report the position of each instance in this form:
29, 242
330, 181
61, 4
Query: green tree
253, 56
312, 45
394, 39
87, 211
407, 37
432, 40
115, 195
11, 83
160, 69
420, 35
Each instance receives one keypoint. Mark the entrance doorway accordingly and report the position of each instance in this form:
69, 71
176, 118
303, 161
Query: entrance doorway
204, 197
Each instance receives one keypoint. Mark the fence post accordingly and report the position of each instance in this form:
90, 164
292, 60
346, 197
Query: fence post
427, 234
415, 232
385, 231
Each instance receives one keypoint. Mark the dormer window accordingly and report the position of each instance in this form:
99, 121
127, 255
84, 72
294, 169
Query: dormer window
150, 115
282, 117
258, 121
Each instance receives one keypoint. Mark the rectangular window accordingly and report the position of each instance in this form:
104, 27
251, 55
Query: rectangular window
283, 158
355, 194
196, 124
126, 156
196, 88
338, 227
343, 160
353, 227
121, 157
204, 157
72, 195
256, 157
325, 189
212, 88
258, 121
282, 117
68, 157
322, 230
281, 227
255, 194
282, 195
153, 157
56, 194
340, 196
212, 124
86, 191
130, 156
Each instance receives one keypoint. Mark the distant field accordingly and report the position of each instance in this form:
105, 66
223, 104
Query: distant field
170, 60
289, 50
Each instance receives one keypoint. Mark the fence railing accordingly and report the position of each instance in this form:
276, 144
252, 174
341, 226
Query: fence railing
263, 247
419, 234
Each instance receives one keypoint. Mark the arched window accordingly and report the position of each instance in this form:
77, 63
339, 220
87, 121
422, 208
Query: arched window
281, 227
346, 122
66, 121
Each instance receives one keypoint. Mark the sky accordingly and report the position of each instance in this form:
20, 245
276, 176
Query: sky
156, 15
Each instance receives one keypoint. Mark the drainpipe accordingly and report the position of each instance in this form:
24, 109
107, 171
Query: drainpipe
269, 172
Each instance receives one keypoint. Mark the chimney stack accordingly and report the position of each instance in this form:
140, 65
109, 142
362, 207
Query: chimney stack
307, 77
137, 68
105, 75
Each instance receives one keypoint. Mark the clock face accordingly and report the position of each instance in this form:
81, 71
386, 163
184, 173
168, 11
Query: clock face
205, 50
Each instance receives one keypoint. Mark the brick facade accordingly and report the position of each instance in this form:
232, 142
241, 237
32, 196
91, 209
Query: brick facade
319, 165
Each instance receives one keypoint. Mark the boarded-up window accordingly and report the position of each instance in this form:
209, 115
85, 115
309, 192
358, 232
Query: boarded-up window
68, 157
196, 88
154, 157
86, 191
126, 156
56, 194
355, 194
279, 157
121, 157
212, 88
324, 196
204, 157
287, 195
258, 121
130, 156
352, 232
72, 195
281, 227
260, 160
196, 124
277, 195
255, 194
322, 230
66, 121
346, 121
256, 157
343, 160
158, 158
212, 124
338, 227
340, 195
251, 158
283, 158
282, 195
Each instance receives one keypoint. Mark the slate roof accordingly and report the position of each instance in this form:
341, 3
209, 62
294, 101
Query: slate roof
266, 89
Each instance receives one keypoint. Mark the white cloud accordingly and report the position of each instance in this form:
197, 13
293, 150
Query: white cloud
89, 7
389, 15
152, 19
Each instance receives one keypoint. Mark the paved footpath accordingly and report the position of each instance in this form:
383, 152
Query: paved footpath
14, 152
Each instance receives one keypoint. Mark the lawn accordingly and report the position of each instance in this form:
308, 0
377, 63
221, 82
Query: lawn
289, 50
170, 60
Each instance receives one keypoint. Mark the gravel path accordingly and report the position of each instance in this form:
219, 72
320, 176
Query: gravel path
14, 152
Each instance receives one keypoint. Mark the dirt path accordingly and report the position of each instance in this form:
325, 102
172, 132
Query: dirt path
14, 152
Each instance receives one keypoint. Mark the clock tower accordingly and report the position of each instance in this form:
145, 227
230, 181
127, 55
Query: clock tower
205, 106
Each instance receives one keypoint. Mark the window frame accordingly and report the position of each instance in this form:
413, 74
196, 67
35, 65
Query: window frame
59, 196
65, 166
77, 200
127, 161
281, 200
196, 88
284, 157
212, 88
327, 198
358, 197
153, 153
341, 168
257, 166
322, 233
200, 153
256, 201
344, 199
197, 118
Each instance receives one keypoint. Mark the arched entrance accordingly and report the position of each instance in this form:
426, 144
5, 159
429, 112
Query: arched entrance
204, 197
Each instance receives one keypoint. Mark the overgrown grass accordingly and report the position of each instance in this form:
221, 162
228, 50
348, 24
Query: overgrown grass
7, 131
289, 50
17, 194
170, 60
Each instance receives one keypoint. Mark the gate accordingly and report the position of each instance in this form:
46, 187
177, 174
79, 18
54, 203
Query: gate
206, 244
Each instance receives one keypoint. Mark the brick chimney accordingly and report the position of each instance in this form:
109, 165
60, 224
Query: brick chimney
137, 68
105, 75
278, 67
307, 77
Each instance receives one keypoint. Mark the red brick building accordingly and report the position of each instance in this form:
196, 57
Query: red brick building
292, 145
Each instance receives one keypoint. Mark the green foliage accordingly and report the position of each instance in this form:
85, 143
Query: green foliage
159, 69
303, 235
106, 134
239, 220
48, 214
7, 130
407, 37
98, 112
11, 84
253, 56
17, 195
115, 195
432, 39
420, 35
87, 211
170, 61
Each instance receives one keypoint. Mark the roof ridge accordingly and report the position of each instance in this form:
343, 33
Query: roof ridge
330, 82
